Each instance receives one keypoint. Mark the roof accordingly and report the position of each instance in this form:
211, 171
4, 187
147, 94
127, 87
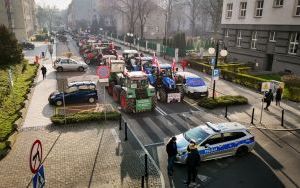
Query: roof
117, 61
78, 83
165, 66
130, 52
226, 127
136, 74
147, 58
109, 56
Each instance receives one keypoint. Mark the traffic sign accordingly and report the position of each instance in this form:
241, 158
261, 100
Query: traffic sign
213, 62
103, 72
36, 156
39, 178
215, 74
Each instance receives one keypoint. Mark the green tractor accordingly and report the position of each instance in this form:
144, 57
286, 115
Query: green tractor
134, 92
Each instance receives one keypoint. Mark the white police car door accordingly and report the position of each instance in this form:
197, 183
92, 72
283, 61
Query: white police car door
211, 148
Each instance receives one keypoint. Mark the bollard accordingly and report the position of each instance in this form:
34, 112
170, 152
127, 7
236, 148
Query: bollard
120, 123
146, 165
143, 184
226, 110
252, 117
282, 117
126, 131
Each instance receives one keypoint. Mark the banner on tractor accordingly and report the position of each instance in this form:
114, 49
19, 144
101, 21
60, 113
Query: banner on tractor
143, 104
174, 97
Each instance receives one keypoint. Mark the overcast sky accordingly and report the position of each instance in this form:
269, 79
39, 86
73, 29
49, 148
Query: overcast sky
60, 4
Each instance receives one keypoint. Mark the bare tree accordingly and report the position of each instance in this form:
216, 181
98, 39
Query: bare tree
195, 12
214, 8
47, 16
129, 9
144, 8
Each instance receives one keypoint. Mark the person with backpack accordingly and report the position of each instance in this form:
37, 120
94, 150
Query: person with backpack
192, 161
171, 149
268, 99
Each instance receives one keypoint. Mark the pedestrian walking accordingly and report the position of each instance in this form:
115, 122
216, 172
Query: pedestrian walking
278, 95
268, 99
44, 71
193, 159
171, 149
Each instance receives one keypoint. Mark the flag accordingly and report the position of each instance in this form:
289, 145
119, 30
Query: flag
173, 65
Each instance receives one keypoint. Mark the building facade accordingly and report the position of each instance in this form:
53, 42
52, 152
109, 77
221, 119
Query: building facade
265, 32
19, 16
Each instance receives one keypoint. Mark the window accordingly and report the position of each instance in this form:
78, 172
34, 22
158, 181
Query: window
229, 10
226, 32
239, 38
254, 40
243, 7
272, 36
215, 139
294, 43
259, 8
297, 7
233, 136
278, 3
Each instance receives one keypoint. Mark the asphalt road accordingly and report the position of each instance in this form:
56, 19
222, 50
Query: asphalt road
274, 162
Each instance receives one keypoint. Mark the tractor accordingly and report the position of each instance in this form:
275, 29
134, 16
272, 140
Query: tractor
116, 66
162, 78
134, 93
129, 57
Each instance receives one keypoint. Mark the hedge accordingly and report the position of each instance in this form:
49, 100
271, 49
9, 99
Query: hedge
13, 102
223, 101
84, 117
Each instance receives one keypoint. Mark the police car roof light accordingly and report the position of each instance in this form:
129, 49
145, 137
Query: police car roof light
213, 127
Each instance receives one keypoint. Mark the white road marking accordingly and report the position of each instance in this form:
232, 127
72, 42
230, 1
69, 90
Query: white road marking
155, 144
202, 178
114, 133
161, 111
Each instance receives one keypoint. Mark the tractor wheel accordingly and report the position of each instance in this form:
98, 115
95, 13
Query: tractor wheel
116, 93
110, 88
154, 103
181, 90
128, 105
162, 95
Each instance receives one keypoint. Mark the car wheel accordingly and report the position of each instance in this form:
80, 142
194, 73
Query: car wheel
58, 103
59, 69
92, 100
241, 151
81, 69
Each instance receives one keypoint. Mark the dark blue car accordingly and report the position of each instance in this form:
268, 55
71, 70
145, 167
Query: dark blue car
75, 93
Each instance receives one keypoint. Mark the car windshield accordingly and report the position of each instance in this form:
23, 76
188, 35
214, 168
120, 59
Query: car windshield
195, 82
197, 134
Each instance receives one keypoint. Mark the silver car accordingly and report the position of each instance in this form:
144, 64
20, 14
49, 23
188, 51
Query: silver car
62, 64
216, 141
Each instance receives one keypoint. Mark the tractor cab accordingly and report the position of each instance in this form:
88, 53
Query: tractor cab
106, 58
129, 56
136, 80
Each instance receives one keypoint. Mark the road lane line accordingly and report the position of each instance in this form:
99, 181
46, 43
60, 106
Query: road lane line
193, 105
161, 110
154, 144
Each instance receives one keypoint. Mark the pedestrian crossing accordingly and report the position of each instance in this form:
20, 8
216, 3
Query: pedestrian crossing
155, 129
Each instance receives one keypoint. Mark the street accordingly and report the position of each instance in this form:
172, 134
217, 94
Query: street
271, 164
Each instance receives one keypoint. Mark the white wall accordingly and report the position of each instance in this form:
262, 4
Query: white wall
271, 15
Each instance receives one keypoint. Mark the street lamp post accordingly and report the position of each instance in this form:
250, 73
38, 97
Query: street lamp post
223, 53
100, 31
130, 35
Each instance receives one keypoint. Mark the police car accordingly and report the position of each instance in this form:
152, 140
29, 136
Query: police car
216, 141
193, 85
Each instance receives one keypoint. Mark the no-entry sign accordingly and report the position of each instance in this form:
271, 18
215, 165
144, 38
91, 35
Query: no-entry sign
36, 156
103, 72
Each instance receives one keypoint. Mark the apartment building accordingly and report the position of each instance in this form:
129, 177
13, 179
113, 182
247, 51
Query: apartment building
19, 17
265, 32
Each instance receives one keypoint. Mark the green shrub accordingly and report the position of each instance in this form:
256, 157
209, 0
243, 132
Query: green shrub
292, 93
12, 102
223, 101
84, 117
291, 80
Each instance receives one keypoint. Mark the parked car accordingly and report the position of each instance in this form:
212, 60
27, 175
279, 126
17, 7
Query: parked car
27, 45
216, 141
75, 93
62, 64
193, 85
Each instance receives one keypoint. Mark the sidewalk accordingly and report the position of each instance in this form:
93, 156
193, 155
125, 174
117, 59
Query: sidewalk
81, 155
